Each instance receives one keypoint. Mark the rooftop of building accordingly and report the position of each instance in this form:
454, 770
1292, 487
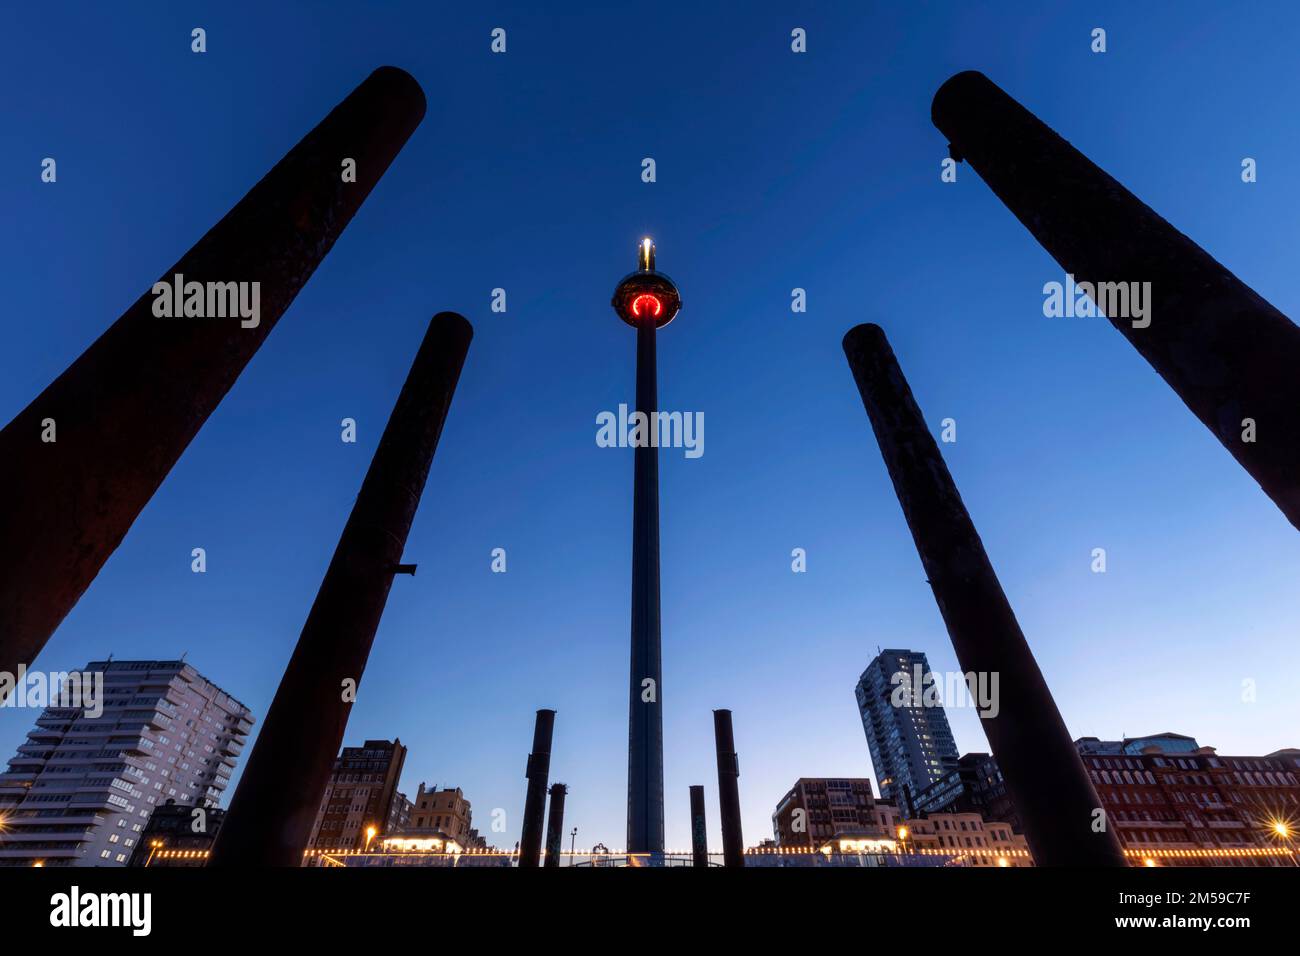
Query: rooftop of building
1152, 743
180, 665
891, 652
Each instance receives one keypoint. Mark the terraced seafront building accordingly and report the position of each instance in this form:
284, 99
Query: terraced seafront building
81, 789
817, 808
362, 801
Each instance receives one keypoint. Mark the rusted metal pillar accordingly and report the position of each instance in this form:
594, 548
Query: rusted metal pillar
122, 413
699, 833
1042, 768
733, 843
273, 810
1229, 355
539, 768
555, 824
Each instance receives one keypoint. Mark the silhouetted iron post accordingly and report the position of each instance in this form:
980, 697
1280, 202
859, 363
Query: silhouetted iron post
699, 832
733, 843
127, 408
1228, 354
1044, 773
539, 768
274, 808
555, 824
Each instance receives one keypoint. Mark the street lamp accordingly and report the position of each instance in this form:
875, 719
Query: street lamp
647, 300
902, 837
573, 842
154, 847
370, 835
1283, 831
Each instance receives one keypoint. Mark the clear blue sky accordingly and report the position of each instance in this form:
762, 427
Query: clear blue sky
775, 170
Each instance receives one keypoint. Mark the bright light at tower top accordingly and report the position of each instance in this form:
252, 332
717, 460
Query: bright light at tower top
646, 259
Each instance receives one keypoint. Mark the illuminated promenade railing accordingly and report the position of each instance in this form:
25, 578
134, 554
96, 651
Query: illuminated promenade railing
614, 859
617, 859
1225, 856
755, 857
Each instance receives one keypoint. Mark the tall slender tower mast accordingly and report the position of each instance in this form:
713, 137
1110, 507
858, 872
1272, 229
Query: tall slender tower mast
647, 300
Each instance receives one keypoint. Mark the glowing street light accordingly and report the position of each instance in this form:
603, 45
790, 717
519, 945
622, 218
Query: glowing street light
370, 835
902, 838
1282, 829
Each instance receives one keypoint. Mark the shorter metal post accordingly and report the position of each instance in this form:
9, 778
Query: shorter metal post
699, 835
555, 825
539, 768
733, 843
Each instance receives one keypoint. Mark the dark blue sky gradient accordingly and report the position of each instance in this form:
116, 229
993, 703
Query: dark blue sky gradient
774, 171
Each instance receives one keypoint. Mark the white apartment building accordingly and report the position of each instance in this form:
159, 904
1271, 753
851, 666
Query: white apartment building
81, 789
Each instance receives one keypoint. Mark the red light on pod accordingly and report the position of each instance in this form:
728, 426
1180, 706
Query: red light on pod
650, 303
